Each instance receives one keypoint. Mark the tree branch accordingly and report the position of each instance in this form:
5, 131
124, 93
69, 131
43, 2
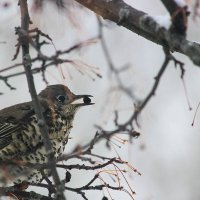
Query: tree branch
24, 41
178, 16
141, 23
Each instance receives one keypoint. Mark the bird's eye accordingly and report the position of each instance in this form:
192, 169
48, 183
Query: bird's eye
61, 98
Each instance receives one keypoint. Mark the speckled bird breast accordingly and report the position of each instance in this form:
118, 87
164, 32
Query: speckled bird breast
27, 145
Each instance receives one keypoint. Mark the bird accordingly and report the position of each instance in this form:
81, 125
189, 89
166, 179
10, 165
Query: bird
21, 141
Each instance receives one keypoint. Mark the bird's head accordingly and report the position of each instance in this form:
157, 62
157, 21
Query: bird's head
61, 98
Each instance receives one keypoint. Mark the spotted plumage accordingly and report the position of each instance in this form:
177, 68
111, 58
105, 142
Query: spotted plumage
21, 141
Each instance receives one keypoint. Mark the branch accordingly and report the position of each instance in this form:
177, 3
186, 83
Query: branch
25, 20
141, 23
85, 167
111, 65
44, 60
127, 127
178, 16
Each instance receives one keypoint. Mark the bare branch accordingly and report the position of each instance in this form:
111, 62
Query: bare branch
144, 25
25, 20
178, 16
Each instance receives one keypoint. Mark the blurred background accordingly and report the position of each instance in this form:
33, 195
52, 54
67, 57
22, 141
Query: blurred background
167, 152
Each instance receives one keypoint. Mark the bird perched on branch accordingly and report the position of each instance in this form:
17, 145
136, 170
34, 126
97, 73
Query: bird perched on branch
21, 141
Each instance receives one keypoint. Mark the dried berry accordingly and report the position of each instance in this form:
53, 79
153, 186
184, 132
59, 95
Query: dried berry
67, 176
86, 100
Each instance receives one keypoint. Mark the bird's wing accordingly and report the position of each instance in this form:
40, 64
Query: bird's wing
6, 131
12, 121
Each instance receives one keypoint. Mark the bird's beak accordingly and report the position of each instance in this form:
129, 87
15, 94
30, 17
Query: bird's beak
85, 100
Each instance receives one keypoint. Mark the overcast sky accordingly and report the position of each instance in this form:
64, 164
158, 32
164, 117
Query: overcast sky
167, 152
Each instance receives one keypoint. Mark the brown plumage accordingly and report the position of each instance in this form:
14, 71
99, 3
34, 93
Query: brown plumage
21, 140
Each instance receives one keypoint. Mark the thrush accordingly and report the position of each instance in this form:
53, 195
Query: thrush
20, 137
